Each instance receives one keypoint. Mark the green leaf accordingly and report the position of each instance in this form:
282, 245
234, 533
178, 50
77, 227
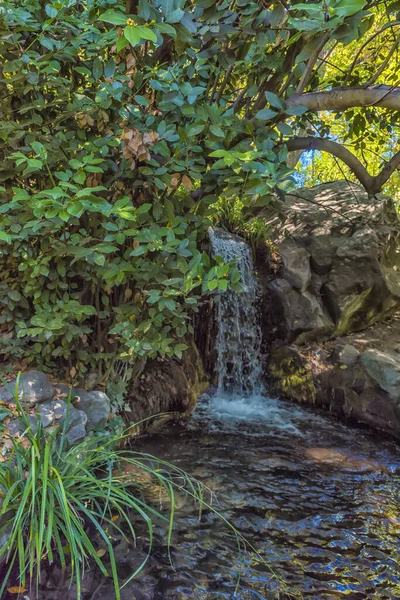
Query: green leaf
139, 251
51, 11
275, 101
296, 110
99, 259
109, 68
172, 10
147, 34
165, 28
14, 295
266, 114
216, 130
113, 17
346, 8
141, 100
132, 34
122, 43
97, 68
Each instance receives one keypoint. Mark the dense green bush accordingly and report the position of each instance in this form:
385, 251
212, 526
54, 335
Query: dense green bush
123, 126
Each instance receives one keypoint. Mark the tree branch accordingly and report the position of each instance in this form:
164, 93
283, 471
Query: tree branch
341, 98
373, 185
313, 143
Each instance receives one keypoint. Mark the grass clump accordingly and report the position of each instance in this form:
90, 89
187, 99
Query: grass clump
52, 496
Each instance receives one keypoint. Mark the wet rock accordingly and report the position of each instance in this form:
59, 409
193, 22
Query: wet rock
296, 264
357, 377
384, 368
33, 387
170, 386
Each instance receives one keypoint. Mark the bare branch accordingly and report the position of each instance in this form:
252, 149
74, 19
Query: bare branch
373, 185
325, 145
341, 98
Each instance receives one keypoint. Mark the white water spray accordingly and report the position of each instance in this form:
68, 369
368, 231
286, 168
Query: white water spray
239, 365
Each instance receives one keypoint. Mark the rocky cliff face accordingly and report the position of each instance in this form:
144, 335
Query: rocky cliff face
339, 274
340, 265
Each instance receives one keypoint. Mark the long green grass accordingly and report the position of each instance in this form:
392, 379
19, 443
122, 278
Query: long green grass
52, 495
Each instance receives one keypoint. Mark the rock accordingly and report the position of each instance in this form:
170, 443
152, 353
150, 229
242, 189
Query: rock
322, 249
348, 355
33, 388
304, 317
360, 383
384, 368
296, 264
354, 258
77, 432
166, 385
96, 405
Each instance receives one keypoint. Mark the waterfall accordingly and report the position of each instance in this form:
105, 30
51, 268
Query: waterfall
238, 342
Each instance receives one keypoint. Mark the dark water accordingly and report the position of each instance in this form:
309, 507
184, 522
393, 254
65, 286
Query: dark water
318, 500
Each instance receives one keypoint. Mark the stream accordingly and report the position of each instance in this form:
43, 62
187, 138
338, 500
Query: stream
318, 499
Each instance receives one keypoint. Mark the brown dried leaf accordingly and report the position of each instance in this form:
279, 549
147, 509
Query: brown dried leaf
186, 182
101, 552
72, 372
128, 294
17, 589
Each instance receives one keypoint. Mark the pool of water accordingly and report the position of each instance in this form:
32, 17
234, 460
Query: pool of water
316, 500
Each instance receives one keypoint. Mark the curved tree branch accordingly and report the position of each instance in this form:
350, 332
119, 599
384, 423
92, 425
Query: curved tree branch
314, 143
341, 98
373, 185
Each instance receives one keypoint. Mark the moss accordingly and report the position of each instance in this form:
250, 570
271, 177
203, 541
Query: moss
294, 380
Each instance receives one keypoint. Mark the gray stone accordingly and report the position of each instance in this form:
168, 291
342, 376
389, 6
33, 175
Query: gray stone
77, 433
363, 243
304, 317
348, 355
96, 405
322, 249
383, 368
353, 248
17, 427
33, 388
296, 264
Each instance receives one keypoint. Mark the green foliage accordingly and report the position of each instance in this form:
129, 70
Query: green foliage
56, 500
124, 126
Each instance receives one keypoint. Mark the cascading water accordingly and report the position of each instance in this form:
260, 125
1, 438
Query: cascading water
239, 365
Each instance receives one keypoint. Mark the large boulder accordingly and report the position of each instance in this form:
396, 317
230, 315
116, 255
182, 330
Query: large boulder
295, 264
33, 387
166, 389
304, 316
357, 376
340, 257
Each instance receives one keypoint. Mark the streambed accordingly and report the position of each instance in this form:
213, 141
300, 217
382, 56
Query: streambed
318, 499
